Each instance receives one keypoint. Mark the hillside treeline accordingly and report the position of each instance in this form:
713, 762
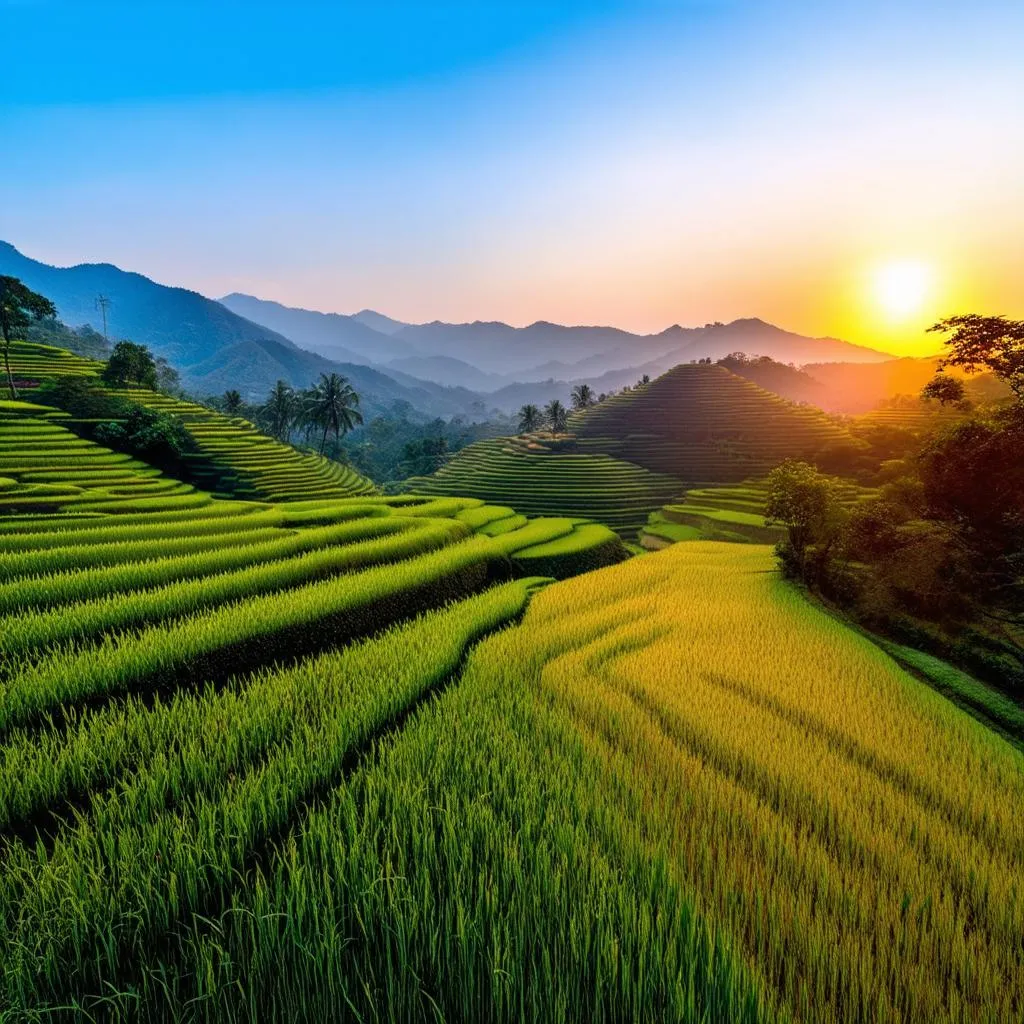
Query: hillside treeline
937, 559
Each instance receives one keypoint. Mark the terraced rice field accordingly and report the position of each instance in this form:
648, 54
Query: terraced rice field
44, 467
31, 362
704, 424
234, 458
237, 459
919, 418
732, 513
361, 759
542, 478
604, 813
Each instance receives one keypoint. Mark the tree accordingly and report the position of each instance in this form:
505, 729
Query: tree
232, 402
807, 503
529, 419
19, 306
582, 397
279, 412
986, 342
333, 405
973, 480
645, 379
557, 416
947, 390
131, 364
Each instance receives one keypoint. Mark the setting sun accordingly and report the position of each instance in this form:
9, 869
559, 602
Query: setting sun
901, 287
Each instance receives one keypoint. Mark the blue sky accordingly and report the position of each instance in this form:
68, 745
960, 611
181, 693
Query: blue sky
640, 163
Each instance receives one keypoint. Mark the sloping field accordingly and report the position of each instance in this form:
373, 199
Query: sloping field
919, 417
234, 458
179, 688
31, 362
47, 468
543, 479
731, 513
703, 424
608, 814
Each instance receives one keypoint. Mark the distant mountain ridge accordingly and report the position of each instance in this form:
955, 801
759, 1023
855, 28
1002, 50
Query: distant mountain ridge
213, 347
491, 355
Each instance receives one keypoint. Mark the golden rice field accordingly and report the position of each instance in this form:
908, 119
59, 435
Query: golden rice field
675, 791
855, 839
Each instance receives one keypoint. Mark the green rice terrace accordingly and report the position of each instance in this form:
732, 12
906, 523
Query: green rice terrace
732, 513
703, 424
547, 476
233, 458
425, 758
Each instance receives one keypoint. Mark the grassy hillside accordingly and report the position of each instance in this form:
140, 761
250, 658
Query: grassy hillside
544, 476
45, 467
703, 424
730, 513
232, 456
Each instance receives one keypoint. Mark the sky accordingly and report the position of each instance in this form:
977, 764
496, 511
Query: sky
844, 169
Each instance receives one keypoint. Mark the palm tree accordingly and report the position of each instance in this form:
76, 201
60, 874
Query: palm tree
529, 419
280, 411
556, 415
333, 405
582, 396
232, 402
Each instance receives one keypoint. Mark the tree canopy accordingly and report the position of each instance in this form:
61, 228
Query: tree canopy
530, 419
557, 416
19, 306
986, 342
130, 363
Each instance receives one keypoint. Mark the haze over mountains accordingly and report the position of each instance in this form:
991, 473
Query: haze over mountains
439, 369
490, 355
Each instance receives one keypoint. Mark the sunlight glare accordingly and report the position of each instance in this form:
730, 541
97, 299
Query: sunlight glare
901, 286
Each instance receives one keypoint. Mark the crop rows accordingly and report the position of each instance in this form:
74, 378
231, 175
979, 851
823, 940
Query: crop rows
538, 483
704, 424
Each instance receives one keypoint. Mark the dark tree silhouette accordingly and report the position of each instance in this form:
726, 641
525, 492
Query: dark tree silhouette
530, 419
19, 306
986, 342
333, 406
232, 402
947, 390
280, 411
557, 416
582, 397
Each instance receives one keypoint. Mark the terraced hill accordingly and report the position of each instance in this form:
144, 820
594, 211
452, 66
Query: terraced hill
299, 760
45, 467
917, 417
731, 513
234, 458
542, 476
703, 424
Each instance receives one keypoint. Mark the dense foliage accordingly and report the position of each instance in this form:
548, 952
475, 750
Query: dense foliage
937, 558
19, 306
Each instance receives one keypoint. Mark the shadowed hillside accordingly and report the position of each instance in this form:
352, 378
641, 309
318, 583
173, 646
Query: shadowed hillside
703, 424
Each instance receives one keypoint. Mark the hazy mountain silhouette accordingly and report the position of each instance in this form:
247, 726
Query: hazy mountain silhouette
334, 335
212, 347
378, 321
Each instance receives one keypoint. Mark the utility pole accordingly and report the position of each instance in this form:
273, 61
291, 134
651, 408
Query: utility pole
102, 302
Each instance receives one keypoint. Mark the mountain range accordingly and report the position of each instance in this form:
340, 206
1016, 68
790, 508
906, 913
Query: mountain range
436, 369
213, 348
488, 356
